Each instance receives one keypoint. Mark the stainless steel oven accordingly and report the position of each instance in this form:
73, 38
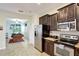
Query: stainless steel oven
65, 46
73, 25
63, 50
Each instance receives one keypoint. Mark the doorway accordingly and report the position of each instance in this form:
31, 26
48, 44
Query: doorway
16, 27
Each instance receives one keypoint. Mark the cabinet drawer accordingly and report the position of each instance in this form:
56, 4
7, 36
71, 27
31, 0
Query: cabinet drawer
49, 47
76, 51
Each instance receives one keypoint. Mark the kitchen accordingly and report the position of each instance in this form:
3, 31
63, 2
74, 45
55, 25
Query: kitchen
57, 34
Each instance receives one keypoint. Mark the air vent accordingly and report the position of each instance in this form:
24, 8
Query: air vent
20, 11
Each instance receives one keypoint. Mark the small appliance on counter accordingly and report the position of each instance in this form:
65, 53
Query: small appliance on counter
65, 46
54, 36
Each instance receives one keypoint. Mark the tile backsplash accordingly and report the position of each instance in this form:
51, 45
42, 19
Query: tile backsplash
57, 33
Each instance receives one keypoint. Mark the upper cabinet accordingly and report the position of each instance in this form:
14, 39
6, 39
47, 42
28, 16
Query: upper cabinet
67, 13
62, 15
44, 20
53, 22
71, 11
50, 20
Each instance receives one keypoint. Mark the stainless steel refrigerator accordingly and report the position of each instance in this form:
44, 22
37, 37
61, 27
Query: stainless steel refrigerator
41, 31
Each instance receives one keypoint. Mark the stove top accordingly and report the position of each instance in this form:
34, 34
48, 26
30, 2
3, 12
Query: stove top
69, 39
66, 43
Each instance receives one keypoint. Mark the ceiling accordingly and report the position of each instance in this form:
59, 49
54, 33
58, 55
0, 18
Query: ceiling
29, 8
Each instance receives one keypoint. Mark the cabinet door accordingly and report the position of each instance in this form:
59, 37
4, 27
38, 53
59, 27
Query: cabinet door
48, 20
44, 20
51, 48
77, 25
45, 46
61, 15
40, 20
46, 49
71, 11
65, 14
53, 22
76, 51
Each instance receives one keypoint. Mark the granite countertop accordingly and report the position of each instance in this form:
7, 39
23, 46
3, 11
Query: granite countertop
51, 39
77, 45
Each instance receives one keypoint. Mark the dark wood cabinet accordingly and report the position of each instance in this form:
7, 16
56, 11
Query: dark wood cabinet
53, 22
62, 15
76, 51
50, 20
40, 21
67, 13
77, 25
49, 47
71, 11
44, 20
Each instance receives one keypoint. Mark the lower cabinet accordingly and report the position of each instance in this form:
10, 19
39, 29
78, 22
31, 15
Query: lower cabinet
49, 47
76, 51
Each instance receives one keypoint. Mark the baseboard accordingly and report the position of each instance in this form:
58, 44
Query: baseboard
31, 44
38, 50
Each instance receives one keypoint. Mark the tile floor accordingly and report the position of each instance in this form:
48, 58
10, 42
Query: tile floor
21, 49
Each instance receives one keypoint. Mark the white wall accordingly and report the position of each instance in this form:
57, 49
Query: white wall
27, 30
34, 22
2, 39
8, 23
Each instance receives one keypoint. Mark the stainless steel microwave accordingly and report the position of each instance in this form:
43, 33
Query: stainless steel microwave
67, 26
73, 25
